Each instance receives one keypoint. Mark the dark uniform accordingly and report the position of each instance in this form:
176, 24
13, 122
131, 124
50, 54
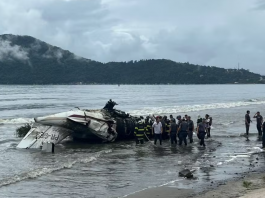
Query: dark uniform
247, 123
259, 123
190, 132
173, 132
199, 120
139, 131
183, 132
201, 133
263, 137
164, 128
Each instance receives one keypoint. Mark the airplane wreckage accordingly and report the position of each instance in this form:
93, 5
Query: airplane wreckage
107, 125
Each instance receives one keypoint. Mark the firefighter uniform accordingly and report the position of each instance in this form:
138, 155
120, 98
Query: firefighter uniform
165, 134
139, 131
148, 127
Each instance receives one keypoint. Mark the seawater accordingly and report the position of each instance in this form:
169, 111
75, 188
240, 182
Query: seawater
122, 168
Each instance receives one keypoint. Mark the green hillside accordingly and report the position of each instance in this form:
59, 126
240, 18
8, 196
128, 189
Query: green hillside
26, 60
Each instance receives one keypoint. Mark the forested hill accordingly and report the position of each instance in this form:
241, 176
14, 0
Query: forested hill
26, 60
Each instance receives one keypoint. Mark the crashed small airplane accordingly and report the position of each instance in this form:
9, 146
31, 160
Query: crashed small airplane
107, 125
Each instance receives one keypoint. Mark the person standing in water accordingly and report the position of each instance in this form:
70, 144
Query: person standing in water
208, 125
247, 123
183, 132
171, 118
139, 131
263, 135
173, 131
201, 132
259, 119
199, 120
191, 129
148, 128
157, 130
162, 121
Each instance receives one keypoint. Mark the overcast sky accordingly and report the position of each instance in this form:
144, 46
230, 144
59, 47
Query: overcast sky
207, 32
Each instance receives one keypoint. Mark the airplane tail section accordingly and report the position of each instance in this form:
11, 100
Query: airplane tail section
38, 135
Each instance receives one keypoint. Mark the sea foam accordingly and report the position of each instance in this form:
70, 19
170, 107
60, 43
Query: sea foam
191, 108
47, 170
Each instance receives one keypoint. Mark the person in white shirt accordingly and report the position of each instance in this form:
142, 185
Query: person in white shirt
157, 130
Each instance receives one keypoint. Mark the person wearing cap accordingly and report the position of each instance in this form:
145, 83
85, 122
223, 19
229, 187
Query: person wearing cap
259, 119
140, 131
157, 130
201, 132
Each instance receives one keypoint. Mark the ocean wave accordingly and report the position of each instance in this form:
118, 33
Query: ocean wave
253, 100
164, 110
16, 121
192, 108
47, 170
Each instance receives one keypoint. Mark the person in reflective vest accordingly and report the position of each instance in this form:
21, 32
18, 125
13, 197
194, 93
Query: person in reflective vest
148, 127
140, 131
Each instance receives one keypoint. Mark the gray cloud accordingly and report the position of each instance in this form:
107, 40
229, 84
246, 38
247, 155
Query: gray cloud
208, 32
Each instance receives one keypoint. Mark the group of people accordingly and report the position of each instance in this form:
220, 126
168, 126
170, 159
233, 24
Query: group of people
162, 128
260, 126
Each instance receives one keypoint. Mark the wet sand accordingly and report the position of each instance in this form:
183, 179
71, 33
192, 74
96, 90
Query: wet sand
229, 189
163, 192
260, 193
237, 189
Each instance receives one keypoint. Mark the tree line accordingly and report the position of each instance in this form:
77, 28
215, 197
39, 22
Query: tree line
52, 65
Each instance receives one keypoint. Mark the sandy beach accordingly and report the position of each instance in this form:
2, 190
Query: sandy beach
254, 188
